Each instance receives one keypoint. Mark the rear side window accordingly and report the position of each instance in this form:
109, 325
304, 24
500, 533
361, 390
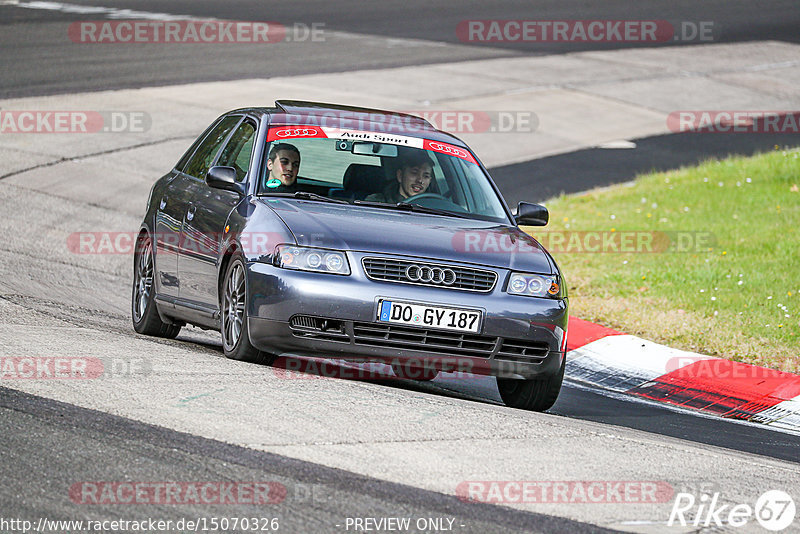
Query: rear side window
239, 150
204, 155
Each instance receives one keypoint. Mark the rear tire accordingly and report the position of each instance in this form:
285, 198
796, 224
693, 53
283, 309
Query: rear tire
233, 316
537, 395
143, 307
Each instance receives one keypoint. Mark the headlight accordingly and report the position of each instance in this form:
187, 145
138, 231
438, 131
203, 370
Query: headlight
535, 285
311, 259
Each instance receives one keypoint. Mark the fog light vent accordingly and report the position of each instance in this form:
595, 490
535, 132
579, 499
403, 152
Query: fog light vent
318, 328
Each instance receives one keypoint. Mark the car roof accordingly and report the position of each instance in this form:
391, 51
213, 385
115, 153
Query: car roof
300, 112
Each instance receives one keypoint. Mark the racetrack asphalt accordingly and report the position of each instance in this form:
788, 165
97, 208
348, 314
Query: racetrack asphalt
77, 446
377, 449
363, 34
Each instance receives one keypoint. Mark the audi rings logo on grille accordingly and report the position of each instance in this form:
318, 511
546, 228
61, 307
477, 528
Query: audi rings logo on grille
297, 132
431, 275
447, 149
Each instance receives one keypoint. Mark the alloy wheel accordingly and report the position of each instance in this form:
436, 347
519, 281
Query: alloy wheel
233, 307
143, 284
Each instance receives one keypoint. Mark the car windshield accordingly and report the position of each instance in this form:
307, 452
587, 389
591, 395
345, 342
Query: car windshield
358, 168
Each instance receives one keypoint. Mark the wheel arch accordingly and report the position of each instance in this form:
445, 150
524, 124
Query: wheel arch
144, 231
225, 259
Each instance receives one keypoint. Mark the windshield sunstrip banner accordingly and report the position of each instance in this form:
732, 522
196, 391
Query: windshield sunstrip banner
281, 133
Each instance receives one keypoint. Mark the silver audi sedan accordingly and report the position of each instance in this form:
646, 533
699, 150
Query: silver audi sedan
316, 230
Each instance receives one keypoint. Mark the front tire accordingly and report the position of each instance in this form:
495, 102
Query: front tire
233, 316
143, 307
538, 395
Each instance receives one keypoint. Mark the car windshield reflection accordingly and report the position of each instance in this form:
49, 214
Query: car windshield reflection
446, 181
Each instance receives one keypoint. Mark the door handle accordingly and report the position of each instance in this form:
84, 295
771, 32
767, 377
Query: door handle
190, 213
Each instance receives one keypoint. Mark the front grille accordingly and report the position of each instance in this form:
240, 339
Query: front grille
514, 350
393, 336
394, 270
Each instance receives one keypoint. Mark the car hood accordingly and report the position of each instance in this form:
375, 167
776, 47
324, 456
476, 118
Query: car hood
366, 229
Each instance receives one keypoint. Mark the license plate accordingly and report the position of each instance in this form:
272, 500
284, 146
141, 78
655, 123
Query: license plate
429, 316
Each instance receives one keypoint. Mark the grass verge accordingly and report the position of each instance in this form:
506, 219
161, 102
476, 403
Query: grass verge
705, 259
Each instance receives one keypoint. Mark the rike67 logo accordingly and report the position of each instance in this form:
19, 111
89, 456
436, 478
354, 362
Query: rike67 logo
774, 510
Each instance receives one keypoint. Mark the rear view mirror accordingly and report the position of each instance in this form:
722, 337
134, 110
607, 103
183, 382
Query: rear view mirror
374, 149
531, 215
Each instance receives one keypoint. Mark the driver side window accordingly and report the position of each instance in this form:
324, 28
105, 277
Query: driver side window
239, 150
204, 156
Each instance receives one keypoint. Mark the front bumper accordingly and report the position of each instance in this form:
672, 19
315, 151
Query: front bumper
521, 337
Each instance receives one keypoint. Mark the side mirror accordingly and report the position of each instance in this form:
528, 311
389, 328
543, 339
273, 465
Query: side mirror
531, 215
224, 178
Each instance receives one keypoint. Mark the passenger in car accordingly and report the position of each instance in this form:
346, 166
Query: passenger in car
283, 164
413, 178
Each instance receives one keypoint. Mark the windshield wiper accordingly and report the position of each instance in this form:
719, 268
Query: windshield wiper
305, 195
406, 206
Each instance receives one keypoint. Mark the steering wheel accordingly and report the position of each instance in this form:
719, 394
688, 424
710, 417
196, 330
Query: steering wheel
424, 195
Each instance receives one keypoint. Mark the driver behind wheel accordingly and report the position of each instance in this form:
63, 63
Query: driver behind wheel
414, 175
283, 164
